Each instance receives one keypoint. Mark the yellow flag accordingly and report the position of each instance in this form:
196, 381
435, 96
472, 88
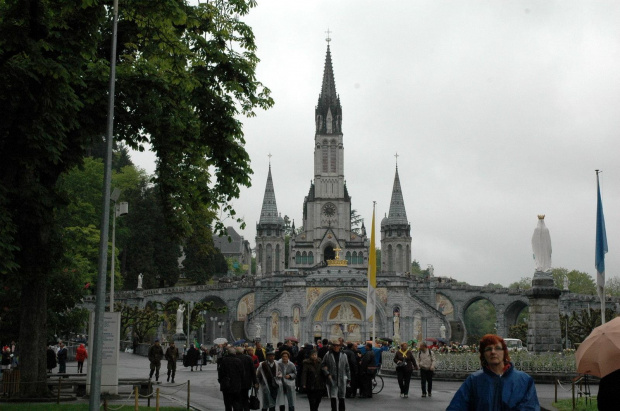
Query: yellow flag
372, 272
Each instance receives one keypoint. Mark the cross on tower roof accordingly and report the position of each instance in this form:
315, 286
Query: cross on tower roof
269, 155
328, 39
396, 155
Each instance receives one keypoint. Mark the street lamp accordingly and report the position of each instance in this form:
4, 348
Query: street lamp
190, 307
214, 319
119, 210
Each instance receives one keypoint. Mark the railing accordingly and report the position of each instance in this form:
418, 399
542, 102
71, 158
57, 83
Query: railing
542, 363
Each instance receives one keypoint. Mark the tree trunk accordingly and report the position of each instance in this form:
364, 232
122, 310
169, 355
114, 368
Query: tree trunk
36, 259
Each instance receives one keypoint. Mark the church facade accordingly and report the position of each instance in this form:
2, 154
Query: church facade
315, 297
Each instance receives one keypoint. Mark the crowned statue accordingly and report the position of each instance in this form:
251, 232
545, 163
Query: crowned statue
541, 246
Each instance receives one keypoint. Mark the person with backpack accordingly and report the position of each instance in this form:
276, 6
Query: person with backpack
426, 362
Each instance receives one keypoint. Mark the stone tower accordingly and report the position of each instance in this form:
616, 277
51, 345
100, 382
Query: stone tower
396, 234
269, 234
327, 207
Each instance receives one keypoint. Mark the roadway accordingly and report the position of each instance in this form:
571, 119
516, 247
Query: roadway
205, 394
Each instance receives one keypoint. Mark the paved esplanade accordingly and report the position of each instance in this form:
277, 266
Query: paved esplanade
205, 393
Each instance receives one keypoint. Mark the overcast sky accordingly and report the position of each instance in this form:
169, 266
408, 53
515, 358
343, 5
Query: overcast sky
499, 111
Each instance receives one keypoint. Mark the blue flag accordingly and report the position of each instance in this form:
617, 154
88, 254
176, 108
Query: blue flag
601, 242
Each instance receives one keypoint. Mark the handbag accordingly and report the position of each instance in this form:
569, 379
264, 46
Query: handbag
401, 365
254, 401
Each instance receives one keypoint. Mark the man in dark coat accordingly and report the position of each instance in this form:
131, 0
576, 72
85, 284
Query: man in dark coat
156, 353
172, 355
324, 349
249, 378
353, 366
62, 358
367, 367
193, 355
230, 374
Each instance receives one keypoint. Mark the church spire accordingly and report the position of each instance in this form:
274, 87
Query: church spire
328, 112
397, 214
269, 212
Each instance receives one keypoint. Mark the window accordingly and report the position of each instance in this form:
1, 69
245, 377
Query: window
310, 258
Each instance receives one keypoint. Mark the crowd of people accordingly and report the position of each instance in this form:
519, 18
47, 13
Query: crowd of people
337, 370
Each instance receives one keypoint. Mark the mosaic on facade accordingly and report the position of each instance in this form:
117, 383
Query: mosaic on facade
444, 306
245, 306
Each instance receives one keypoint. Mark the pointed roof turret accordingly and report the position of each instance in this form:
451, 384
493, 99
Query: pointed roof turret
328, 113
269, 212
397, 214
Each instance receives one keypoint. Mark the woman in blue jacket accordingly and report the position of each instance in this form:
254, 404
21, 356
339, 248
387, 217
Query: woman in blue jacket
498, 385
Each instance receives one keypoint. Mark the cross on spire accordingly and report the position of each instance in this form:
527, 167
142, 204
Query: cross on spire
396, 155
269, 155
328, 39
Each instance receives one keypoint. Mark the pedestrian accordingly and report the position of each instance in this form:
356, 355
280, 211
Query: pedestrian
249, 378
80, 356
312, 380
270, 380
405, 364
254, 358
172, 356
337, 375
497, 385
51, 359
156, 353
192, 358
368, 369
353, 366
62, 358
260, 352
230, 376
607, 391
289, 372
426, 362
5, 363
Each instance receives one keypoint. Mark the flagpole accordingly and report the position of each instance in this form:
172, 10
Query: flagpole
601, 248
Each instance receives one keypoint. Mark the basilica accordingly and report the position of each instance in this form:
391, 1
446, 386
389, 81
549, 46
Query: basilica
320, 292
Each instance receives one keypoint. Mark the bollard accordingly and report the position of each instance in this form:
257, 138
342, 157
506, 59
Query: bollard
157, 400
135, 391
188, 394
556, 390
148, 395
573, 394
105, 404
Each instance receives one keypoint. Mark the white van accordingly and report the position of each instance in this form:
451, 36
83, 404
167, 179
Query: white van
515, 344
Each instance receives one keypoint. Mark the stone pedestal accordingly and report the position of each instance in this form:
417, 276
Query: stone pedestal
544, 332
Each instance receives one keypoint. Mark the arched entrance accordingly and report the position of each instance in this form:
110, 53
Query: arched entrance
342, 315
328, 253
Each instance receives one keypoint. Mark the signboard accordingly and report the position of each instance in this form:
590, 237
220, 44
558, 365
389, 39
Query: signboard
110, 338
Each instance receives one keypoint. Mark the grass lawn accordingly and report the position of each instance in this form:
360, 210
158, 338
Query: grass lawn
75, 407
580, 405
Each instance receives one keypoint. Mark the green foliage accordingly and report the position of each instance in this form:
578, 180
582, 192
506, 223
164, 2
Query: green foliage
519, 331
356, 222
581, 323
185, 76
578, 282
525, 283
612, 287
416, 270
480, 318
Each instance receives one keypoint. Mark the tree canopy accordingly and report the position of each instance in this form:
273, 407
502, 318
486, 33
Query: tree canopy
185, 76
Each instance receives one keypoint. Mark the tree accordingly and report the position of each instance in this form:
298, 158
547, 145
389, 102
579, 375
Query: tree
184, 75
578, 282
612, 286
142, 321
525, 283
356, 222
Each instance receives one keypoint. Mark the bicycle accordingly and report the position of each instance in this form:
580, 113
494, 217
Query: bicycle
377, 382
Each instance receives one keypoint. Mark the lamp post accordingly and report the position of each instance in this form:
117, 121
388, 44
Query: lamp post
190, 307
119, 210
214, 320
221, 323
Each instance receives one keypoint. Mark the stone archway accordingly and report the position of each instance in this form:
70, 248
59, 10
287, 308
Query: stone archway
339, 314
484, 320
328, 253
512, 313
